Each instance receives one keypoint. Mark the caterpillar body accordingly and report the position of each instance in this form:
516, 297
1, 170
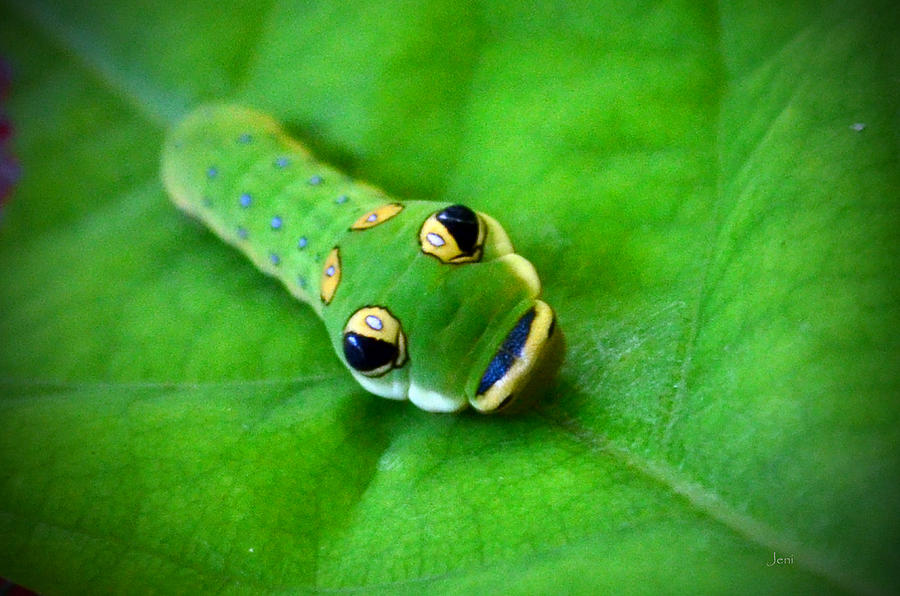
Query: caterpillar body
422, 300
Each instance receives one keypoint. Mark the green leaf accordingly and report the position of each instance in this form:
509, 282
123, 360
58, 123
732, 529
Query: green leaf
718, 238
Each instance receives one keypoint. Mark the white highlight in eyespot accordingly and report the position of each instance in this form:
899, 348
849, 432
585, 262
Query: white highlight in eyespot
435, 239
330, 271
374, 322
372, 217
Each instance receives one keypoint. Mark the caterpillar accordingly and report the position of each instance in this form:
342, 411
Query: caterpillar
422, 300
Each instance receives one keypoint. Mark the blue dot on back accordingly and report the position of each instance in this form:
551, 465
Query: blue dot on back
302, 243
245, 200
212, 171
244, 139
274, 258
315, 180
276, 222
282, 162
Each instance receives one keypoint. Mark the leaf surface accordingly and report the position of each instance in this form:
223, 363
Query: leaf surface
718, 238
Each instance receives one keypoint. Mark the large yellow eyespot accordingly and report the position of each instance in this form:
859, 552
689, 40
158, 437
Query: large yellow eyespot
515, 362
331, 275
377, 216
374, 342
453, 235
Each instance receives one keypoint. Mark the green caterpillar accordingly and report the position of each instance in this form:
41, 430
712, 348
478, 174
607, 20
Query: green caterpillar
422, 300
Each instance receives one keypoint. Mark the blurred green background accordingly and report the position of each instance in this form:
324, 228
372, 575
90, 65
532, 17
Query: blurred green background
718, 238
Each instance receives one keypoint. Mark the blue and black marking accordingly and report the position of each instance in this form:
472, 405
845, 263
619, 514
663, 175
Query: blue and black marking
509, 352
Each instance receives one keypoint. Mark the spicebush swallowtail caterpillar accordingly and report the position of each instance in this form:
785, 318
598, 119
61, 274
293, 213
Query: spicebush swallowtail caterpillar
422, 300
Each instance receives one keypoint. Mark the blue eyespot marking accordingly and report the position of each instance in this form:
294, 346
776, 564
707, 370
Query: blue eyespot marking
508, 353
282, 162
245, 200
276, 223
501, 363
315, 181
374, 323
301, 244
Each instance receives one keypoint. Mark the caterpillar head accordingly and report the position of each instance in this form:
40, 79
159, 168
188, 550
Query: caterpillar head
433, 305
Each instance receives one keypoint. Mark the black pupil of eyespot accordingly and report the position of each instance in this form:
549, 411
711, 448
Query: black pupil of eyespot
462, 223
367, 353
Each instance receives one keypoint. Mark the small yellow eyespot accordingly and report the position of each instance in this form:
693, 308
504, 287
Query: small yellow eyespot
374, 342
331, 275
377, 216
453, 235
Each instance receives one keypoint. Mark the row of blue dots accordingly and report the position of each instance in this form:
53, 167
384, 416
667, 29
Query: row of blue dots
281, 162
276, 224
246, 199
